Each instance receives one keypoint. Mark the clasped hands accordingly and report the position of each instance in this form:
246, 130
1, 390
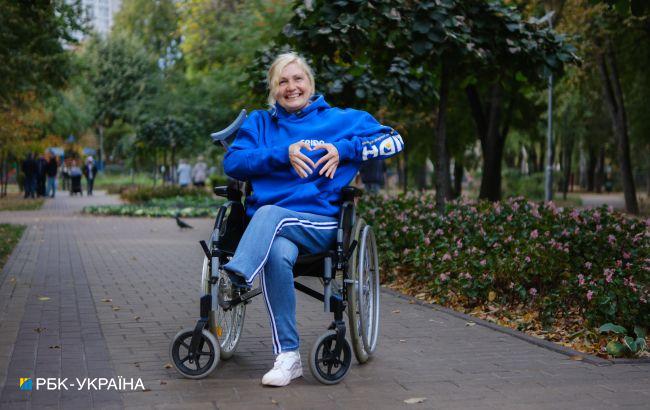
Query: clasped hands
304, 166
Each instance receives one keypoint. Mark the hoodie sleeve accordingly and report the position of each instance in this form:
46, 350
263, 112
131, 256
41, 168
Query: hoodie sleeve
370, 140
245, 158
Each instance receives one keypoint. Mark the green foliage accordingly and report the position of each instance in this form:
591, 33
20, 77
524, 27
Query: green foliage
181, 205
140, 194
32, 35
10, 235
593, 262
625, 345
121, 77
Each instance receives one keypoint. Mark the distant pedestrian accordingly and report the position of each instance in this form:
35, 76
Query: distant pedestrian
75, 178
29, 170
372, 175
90, 171
51, 170
199, 172
184, 173
65, 176
41, 166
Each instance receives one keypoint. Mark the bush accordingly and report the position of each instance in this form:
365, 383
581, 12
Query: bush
140, 194
595, 263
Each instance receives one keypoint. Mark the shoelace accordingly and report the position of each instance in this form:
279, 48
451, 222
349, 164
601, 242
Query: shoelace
283, 363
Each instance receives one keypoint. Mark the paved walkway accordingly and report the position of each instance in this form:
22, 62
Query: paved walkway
86, 296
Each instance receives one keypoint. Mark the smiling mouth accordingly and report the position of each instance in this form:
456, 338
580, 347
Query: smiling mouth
292, 96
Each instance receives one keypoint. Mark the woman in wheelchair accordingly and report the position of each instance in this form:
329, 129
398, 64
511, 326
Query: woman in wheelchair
298, 157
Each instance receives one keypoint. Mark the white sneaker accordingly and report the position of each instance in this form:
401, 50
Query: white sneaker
286, 368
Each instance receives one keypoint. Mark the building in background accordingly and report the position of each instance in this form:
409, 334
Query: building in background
100, 15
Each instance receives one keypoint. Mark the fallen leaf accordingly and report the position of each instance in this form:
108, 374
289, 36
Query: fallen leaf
146, 390
136, 364
396, 311
133, 258
415, 400
163, 382
168, 365
492, 295
402, 341
137, 318
273, 401
12, 279
107, 300
576, 358
43, 298
40, 329
115, 308
470, 324
55, 347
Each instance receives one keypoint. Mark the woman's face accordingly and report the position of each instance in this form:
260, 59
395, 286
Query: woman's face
294, 89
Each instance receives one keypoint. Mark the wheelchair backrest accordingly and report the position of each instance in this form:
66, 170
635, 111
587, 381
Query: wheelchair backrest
227, 135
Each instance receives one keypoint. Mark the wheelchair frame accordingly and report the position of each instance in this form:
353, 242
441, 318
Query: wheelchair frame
329, 266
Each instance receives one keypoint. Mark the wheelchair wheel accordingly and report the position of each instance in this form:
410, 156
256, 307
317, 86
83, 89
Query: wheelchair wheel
363, 293
208, 354
226, 326
324, 365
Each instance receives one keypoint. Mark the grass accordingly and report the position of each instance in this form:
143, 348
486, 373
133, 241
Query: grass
10, 235
14, 201
105, 181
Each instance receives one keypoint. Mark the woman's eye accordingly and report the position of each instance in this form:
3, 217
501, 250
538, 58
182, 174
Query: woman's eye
283, 81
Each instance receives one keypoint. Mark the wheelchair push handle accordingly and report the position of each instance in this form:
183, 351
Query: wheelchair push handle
225, 136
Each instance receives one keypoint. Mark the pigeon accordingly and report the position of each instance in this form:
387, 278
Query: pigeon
181, 224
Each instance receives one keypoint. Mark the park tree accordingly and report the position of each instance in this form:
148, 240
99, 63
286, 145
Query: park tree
614, 48
121, 77
401, 53
32, 38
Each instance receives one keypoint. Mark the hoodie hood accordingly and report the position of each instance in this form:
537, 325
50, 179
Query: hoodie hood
317, 103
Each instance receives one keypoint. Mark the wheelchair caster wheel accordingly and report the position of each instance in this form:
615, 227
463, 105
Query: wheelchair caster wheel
325, 365
207, 355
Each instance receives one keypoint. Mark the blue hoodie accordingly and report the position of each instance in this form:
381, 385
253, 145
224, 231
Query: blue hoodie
260, 154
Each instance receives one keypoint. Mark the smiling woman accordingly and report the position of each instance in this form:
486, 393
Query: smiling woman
298, 156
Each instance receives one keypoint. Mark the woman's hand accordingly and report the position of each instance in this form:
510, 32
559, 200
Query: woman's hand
331, 160
299, 161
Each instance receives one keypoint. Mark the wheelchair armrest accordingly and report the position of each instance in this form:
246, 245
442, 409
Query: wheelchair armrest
230, 192
350, 192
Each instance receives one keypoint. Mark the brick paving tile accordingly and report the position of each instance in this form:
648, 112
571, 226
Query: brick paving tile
120, 288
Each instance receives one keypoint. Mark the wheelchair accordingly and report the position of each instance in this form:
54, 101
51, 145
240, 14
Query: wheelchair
349, 274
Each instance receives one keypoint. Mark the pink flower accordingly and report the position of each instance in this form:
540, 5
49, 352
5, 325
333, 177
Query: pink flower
483, 262
443, 277
459, 244
509, 218
405, 229
626, 255
581, 279
588, 265
532, 291
611, 239
427, 241
406, 251
534, 234
446, 257
608, 275
511, 285
527, 259
439, 232
590, 295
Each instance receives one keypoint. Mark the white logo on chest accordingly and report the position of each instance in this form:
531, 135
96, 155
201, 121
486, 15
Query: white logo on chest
313, 143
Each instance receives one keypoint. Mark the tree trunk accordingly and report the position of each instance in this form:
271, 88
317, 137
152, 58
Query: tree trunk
458, 179
591, 169
600, 171
441, 163
405, 169
491, 136
567, 153
616, 107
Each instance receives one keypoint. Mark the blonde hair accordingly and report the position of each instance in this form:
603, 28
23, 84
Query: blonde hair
280, 62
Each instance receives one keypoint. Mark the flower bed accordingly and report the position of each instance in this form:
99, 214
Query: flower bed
164, 207
557, 273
